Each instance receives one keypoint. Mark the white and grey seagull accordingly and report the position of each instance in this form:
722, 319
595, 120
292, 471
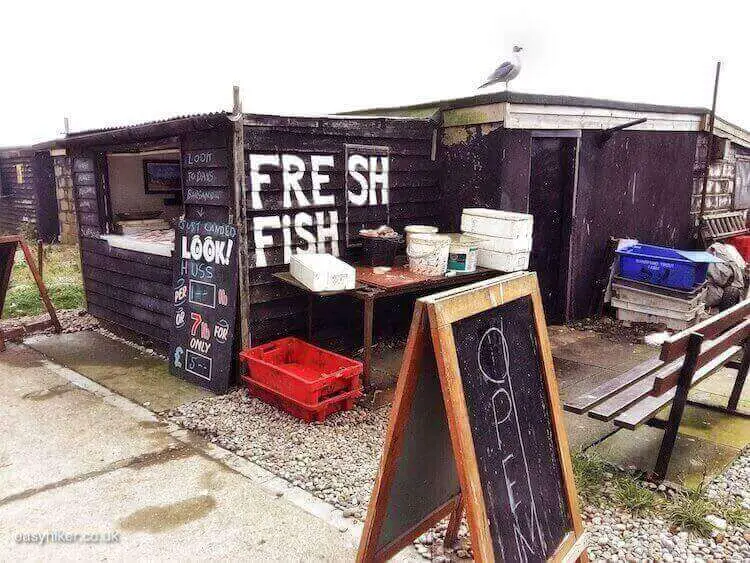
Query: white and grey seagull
507, 71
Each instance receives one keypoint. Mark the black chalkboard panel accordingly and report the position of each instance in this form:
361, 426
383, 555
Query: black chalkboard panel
500, 422
509, 416
425, 478
205, 158
205, 303
206, 177
208, 196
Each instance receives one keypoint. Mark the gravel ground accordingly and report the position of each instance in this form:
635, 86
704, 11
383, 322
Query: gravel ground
71, 320
337, 461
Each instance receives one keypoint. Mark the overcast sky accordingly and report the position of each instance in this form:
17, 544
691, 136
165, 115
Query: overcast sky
110, 63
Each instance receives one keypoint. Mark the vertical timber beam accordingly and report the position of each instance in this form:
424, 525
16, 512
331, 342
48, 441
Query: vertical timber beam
739, 379
240, 215
678, 404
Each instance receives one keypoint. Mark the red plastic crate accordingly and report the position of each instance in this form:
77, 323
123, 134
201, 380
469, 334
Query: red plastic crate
300, 371
309, 413
742, 244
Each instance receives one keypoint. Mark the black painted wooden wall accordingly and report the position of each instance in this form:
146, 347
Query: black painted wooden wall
637, 184
18, 201
30, 202
130, 289
277, 309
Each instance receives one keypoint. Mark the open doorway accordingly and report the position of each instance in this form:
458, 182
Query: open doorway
551, 196
143, 198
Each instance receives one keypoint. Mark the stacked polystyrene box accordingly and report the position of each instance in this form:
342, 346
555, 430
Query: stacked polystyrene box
322, 272
507, 237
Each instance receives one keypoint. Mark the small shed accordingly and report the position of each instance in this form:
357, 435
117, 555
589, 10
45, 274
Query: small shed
311, 184
588, 170
28, 202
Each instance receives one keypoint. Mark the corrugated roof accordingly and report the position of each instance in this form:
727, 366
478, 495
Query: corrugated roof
74, 134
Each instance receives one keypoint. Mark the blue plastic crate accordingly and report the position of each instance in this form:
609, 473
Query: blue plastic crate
681, 269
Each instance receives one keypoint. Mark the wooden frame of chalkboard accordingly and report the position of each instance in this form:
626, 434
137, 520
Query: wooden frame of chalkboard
411, 495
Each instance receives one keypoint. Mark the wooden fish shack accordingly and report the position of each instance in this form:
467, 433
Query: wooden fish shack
308, 184
28, 203
587, 170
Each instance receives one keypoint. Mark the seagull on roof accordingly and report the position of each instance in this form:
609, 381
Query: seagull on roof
507, 71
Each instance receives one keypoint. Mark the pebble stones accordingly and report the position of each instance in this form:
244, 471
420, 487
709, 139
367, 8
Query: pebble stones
337, 461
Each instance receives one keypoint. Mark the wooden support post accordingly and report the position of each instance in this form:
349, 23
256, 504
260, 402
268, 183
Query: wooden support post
451, 532
739, 379
240, 216
40, 284
678, 404
40, 257
369, 317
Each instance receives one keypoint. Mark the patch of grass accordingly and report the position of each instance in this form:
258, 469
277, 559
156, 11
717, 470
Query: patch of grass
62, 276
632, 496
688, 510
589, 470
735, 515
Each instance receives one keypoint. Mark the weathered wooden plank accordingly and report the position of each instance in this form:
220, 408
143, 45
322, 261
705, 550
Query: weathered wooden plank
90, 219
208, 196
206, 177
273, 179
710, 349
372, 127
610, 408
272, 310
205, 158
139, 300
130, 323
128, 310
604, 391
649, 406
100, 246
677, 344
159, 291
142, 271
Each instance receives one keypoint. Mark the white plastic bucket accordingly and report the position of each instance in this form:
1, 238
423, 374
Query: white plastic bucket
428, 254
419, 230
462, 256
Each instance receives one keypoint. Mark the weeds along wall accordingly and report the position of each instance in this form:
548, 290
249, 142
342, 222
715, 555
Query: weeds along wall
312, 184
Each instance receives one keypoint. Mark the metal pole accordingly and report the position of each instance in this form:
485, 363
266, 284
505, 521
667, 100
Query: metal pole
712, 118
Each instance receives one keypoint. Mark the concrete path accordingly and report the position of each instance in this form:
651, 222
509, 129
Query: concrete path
88, 474
707, 441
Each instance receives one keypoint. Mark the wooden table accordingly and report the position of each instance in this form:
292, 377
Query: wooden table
368, 294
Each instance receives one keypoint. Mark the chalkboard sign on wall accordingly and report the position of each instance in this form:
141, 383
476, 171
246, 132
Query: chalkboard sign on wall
486, 344
205, 303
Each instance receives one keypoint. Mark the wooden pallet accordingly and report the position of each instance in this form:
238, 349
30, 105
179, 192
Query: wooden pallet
722, 226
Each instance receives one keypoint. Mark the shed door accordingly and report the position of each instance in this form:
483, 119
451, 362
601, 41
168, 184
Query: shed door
46, 197
550, 195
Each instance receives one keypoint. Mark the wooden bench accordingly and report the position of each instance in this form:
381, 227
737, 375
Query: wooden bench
687, 358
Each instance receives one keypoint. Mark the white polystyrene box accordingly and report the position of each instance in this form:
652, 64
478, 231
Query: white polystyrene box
503, 261
496, 223
322, 272
500, 244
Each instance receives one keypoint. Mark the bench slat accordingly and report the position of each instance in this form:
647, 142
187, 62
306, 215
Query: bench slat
666, 380
582, 403
613, 406
649, 406
676, 346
